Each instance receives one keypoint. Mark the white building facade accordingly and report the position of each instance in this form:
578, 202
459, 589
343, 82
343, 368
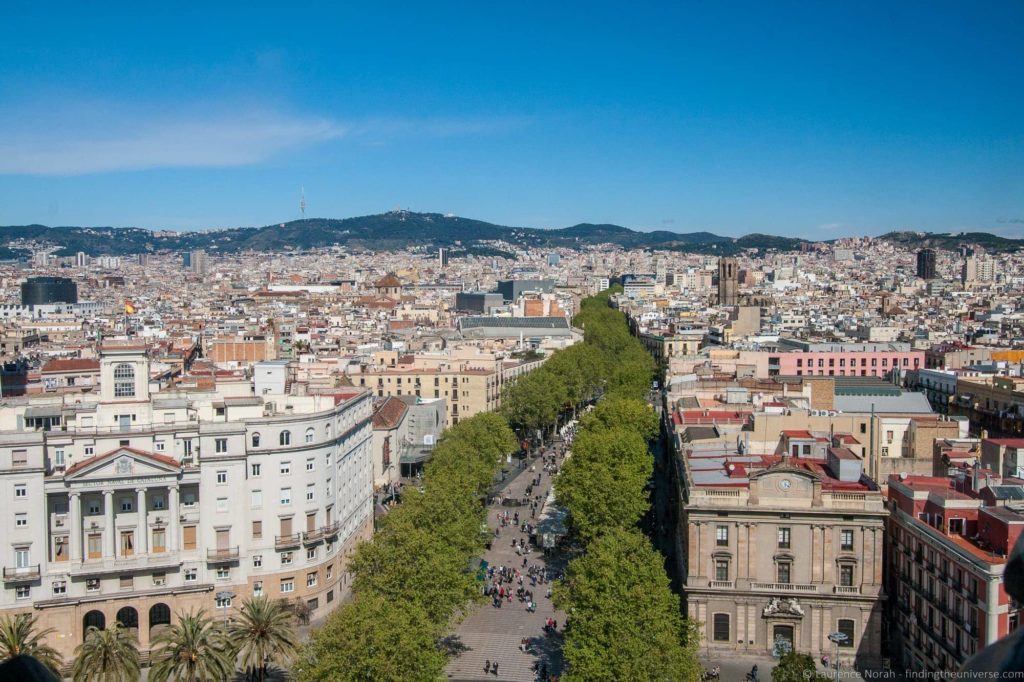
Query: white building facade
132, 507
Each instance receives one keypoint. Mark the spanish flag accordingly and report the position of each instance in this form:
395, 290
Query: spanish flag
129, 308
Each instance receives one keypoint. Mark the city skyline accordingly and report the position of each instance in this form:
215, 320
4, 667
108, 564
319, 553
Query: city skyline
816, 123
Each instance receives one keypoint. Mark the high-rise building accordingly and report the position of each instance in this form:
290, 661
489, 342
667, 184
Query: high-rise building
969, 271
442, 257
926, 263
198, 262
728, 281
81, 259
554, 259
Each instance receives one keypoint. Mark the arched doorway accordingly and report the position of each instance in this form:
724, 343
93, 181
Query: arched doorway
94, 619
159, 618
129, 618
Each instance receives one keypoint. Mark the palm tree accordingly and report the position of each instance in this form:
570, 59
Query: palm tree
263, 634
17, 637
109, 655
194, 648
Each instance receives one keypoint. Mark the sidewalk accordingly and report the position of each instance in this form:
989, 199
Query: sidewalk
494, 635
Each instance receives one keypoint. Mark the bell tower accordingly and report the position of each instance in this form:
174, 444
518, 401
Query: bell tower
124, 373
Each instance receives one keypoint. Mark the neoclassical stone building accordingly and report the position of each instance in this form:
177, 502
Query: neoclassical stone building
134, 505
780, 551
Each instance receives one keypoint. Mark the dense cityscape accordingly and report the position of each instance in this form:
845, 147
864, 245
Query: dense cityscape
522, 342
833, 459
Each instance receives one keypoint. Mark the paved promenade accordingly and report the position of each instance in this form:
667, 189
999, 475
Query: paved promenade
494, 634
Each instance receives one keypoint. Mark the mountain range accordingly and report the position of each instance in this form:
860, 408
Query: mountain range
401, 229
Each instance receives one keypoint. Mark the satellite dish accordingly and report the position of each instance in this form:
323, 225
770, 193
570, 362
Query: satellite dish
903, 475
732, 467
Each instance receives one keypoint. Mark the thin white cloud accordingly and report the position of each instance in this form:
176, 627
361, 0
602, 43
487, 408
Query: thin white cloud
92, 143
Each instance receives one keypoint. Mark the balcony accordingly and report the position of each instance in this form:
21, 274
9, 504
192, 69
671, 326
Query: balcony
286, 541
222, 556
25, 574
840, 589
720, 584
782, 587
331, 529
311, 537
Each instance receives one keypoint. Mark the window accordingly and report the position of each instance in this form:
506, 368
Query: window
327, 459
159, 540
188, 535
60, 587
58, 457
330, 571
158, 502
124, 381
94, 546
722, 570
783, 572
311, 553
784, 538
721, 627
256, 499
60, 548
20, 490
222, 504
188, 499
846, 627
286, 495
286, 558
20, 520
311, 579
285, 438
313, 604
846, 575
309, 435
257, 588
159, 579
126, 582
127, 543
257, 530
257, 560
286, 468
255, 440
89, 450
160, 446
126, 504
220, 445
191, 575
223, 573
846, 540
327, 486
310, 464
255, 470
22, 592
223, 602
222, 477
19, 458
287, 585
92, 585
310, 492
722, 536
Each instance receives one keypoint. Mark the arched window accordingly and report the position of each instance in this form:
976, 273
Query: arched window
309, 435
159, 614
286, 438
94, 619
128, 617
124, 381
255, 440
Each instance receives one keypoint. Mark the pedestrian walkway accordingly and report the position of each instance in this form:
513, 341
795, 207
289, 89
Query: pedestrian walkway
494, 635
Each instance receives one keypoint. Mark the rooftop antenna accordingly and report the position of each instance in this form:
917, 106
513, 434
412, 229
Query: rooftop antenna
302, 203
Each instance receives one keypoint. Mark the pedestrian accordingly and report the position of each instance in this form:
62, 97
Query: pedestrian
495, 668
487, 666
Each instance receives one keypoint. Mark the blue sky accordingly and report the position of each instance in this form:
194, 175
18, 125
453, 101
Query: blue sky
813, 119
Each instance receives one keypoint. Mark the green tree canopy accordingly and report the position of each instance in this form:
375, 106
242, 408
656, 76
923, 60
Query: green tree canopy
109, 655
796, 667
374, 638
624, 621
620, 412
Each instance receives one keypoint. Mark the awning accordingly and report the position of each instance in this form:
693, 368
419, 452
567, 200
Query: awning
42, 411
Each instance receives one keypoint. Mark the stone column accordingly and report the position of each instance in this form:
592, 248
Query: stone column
173, 514
141, 529
75, 521
110, 533
815, 571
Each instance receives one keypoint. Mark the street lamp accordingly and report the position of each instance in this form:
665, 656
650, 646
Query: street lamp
225, 599
837, 638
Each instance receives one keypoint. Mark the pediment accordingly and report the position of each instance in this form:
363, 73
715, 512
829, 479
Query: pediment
122, 463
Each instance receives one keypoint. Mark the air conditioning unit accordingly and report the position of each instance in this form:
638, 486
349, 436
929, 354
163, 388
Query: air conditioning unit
59, 522
159, 582
182, 518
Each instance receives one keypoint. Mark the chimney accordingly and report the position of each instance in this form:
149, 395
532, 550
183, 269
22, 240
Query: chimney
975, 474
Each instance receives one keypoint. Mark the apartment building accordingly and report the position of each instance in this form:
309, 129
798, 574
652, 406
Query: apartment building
469, 383
780, 551
132, 505
948, 544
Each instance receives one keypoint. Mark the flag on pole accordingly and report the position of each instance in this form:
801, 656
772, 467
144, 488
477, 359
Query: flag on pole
129, 308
